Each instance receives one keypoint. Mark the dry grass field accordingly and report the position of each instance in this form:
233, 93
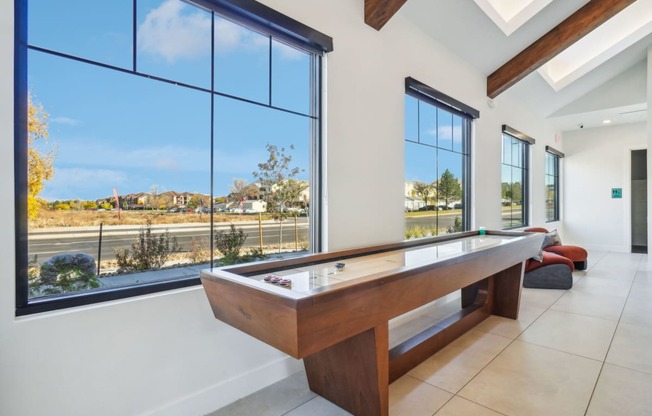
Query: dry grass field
47, 218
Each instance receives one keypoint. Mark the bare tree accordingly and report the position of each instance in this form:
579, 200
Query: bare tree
154, 197
424, 190
242, 190
278, 183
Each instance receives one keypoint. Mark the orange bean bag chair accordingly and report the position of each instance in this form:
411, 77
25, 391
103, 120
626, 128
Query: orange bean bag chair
576, 254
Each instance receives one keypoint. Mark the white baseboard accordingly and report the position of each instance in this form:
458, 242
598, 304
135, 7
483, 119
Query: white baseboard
228, 391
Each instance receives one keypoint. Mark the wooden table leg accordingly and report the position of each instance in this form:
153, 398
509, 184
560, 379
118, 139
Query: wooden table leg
507, 291
354, 374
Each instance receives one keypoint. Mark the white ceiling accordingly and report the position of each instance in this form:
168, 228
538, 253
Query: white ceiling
570, 89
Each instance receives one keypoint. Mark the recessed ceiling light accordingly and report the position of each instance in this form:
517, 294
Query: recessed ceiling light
606, 121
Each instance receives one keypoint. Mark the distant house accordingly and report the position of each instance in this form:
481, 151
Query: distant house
255, 205
168, 199
303, 198
413, 203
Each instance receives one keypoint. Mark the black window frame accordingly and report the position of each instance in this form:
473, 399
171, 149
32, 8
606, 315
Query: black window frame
526, 142
429, 95
556, 176
246, 12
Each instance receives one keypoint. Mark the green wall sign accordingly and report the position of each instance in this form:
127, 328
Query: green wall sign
616, 192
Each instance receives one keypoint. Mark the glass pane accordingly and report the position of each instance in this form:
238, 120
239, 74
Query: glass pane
243, 189
517, 195
434, 175
101, 33
507, 150
290, 78
506, 195
548, 164
174, 41
420, 193
411, 119
241, 61
550, 197
444, 129
427, 124
450, 192
117, 133
458, 134
517, 153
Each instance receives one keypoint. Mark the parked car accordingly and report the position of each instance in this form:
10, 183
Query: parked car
250, 211
173, 209
298, 211
202, 210
427, 208
236, 210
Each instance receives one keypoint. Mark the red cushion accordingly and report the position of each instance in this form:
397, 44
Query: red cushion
574, 253
536, 230
548, 258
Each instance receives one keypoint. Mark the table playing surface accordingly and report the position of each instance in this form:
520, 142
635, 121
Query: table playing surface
314, 278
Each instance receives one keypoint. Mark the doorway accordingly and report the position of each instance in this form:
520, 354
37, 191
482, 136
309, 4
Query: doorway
639, 201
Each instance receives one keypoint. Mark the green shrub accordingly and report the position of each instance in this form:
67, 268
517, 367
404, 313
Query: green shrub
254, 254
420, 231
457, 226
230, 243
199, 252
149, 251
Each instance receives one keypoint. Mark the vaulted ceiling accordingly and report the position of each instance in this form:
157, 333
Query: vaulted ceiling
575, 62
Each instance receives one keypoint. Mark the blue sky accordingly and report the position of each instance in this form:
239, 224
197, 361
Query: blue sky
113, 129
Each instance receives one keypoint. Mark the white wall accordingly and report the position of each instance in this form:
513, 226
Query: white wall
596, 161
165, 354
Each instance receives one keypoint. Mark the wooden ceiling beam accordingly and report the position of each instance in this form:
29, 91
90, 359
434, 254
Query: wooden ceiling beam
576, 26
378, 12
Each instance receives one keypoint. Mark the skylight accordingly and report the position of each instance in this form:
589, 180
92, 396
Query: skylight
614, 36
509, 15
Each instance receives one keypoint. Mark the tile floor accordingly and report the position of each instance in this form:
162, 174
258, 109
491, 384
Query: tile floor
585, 351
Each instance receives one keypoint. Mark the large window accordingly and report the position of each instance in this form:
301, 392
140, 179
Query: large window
515, 178
163, 137
552, 183
437, 155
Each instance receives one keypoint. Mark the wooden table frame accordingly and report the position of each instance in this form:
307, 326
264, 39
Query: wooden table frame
341, 331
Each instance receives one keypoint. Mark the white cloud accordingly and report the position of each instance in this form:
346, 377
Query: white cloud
175, 31
171, 158
70, 183
172, 34
445, 131
231, 37
243, 163
64, 120
288, 53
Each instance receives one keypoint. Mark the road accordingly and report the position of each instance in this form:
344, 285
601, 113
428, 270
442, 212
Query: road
43, 244
444, 221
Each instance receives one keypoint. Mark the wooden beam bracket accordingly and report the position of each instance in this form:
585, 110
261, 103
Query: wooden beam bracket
379, 12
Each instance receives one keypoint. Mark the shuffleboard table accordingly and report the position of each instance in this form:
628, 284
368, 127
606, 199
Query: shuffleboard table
332, 309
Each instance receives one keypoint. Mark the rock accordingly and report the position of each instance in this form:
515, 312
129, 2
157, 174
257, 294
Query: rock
63, 263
